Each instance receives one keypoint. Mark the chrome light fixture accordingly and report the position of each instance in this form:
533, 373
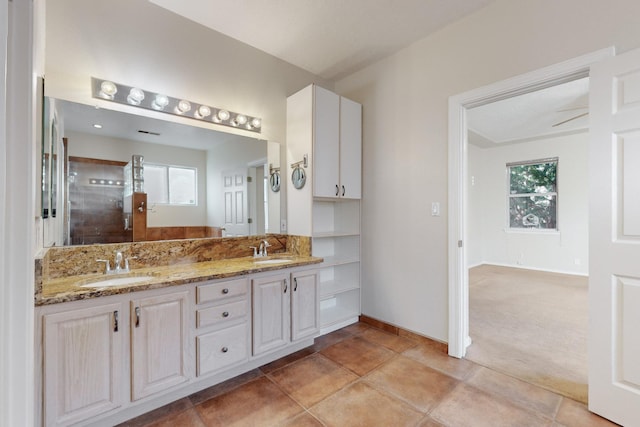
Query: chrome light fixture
129, 95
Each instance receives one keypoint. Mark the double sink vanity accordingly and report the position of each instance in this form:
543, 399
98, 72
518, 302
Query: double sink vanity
187, 315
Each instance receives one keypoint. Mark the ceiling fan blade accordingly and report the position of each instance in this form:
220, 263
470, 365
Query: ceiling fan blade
568, 120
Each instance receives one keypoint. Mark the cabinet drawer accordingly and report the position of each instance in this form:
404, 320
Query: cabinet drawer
219, 291
221, 313
220, 349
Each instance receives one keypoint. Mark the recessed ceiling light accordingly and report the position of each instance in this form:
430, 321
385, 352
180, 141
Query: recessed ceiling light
97, 126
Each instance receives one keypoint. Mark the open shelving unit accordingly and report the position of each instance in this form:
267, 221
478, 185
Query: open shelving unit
336, 238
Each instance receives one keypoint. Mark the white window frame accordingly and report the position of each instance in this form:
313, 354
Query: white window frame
168, 184
519, 195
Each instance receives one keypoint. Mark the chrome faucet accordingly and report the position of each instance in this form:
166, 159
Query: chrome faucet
263, 248
118, 262
117, 266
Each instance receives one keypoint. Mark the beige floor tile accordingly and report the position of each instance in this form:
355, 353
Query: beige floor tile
413, 382
311, 379
356, 328
188, 418
468, 406
159, 414
284, 361
224, 387
430, 422
392, 342
434, 358
358, 355
330, 339
576, 414
258, 403
519, 392
303, 420
360, 405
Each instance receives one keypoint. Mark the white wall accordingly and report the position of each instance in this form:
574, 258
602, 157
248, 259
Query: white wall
108, 148
490, 242
405, 119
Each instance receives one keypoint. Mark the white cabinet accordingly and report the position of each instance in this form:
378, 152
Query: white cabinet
158, 343
83, 367
285, 309
327, 128
86, 355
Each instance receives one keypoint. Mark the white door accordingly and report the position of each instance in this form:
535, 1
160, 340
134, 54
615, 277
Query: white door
83, 373
234, 190
326, 143
614, 234
270, 313
158, 343
350, 149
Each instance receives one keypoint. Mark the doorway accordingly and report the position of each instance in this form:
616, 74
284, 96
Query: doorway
459, 338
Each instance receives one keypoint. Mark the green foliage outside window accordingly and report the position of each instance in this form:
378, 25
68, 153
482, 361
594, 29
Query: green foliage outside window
533, 195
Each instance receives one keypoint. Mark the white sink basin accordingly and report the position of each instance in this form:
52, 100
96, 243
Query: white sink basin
115, 281
272, 261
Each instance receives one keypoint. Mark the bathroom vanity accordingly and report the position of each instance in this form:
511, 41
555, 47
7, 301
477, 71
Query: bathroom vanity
111, 350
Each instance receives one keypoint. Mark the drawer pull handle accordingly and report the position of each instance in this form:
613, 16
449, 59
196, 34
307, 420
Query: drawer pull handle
286, 286
225, 291
337, 190
225, 349
225, 314
295, 284
115, 321
343, 191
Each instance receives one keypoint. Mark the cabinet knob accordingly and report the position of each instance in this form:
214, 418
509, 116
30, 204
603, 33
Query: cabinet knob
225, 291
224, 349
225, 314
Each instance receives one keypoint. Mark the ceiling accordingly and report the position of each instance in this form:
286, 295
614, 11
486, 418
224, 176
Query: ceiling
329, 38
531, 116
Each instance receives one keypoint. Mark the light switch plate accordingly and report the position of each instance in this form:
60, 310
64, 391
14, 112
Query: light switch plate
435, 209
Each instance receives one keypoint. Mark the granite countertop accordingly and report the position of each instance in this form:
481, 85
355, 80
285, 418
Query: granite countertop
71, 288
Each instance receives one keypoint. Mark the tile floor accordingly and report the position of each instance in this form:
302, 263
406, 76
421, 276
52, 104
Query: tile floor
363, 376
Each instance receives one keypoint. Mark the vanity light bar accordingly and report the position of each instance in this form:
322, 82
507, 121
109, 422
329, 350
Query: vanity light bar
128, 95
108, 182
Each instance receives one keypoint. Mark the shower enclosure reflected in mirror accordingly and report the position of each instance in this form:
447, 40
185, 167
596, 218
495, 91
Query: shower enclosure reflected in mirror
199, 182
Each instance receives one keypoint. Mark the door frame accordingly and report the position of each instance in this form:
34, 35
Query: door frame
458, 285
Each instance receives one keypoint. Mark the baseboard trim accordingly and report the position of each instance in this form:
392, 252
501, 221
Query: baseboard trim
525, 267
395, 330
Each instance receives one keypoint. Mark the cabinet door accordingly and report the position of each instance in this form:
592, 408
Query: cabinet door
326, 143
304, 305
350, 149
158, 343
270, 313
83, 374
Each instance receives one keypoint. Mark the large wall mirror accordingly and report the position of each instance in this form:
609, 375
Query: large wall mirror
194, 178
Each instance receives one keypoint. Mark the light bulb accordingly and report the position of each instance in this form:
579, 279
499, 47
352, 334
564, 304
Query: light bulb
204, 111
223, 115
135, 96
108, 89
241, 119
160, 102
256, 122
184, 106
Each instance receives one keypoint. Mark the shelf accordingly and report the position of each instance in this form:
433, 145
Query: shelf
340, 307
331, 234
330, 261
331, 288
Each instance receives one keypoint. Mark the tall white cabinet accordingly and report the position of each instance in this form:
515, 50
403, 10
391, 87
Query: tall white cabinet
327, 129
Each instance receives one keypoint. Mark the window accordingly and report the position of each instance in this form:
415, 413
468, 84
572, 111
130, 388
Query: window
170, 185
533, 194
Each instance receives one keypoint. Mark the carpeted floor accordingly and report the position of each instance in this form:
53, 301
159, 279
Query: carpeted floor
531, 325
